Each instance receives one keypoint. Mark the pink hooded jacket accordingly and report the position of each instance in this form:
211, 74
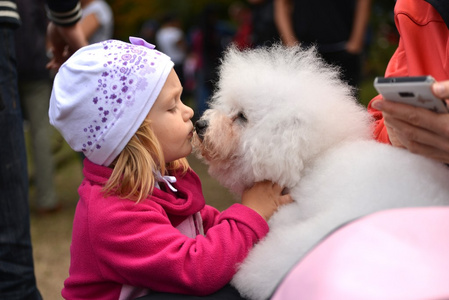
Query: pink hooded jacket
122, 249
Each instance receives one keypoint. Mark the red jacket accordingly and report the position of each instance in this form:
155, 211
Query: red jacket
119, 246
423, 49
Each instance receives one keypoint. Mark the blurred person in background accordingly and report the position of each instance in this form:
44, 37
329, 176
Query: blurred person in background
34, 91
264, 30
64, 33
148, 31
241, 15
336, 28
208, 43
97, 21
17, 278
423, 49
171, 40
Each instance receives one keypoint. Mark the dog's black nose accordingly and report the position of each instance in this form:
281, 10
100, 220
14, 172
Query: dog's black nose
200, 128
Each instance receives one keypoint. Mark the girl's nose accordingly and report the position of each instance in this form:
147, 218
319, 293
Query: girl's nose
188, 112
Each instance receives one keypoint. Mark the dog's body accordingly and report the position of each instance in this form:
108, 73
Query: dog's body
283, 115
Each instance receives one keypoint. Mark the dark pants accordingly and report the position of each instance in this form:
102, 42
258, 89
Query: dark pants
17, 280
226, 293
350, 64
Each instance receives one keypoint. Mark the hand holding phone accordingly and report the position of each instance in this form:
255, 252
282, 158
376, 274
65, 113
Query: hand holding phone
415, 90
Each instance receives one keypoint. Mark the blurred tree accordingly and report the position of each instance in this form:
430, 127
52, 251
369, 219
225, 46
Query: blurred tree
382, 41
384, 37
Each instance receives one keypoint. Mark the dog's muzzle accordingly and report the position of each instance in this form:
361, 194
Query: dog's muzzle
200, 128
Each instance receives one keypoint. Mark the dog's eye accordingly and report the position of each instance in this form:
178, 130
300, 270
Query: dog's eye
241, 116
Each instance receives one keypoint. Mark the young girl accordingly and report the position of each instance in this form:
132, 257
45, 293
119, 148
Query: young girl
141, 223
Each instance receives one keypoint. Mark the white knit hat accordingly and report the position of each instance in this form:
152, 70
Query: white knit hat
103, 93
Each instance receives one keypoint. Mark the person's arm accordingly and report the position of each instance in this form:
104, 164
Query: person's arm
95, 15
147, 251
89, 24
361, 19
64, 32
417, 129
63, 41
397, 67
64, 13
283, 21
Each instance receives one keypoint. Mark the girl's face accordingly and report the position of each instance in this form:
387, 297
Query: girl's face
170, 120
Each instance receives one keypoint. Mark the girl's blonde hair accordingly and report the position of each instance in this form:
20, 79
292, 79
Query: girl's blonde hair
133, 175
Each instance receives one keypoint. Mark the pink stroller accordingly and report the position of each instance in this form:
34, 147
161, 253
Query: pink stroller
392, 254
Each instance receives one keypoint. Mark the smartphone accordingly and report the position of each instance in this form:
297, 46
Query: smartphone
415, 90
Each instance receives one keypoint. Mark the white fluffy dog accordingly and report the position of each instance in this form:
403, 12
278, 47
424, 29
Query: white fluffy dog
282, 114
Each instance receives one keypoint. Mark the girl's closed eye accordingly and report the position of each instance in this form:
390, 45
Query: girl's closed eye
174, 106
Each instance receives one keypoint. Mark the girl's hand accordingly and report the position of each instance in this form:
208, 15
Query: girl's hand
417, 129
265, 198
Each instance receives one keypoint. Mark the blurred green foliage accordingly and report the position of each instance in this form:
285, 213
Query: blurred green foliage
382, 40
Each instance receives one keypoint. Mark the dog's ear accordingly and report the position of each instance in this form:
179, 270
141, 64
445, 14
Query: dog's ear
276, 151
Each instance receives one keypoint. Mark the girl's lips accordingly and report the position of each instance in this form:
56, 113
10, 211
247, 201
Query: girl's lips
191, 133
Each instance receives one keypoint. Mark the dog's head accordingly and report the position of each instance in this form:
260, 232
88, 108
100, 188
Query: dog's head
274, 111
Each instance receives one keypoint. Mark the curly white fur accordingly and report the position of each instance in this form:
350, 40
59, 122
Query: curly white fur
282, 114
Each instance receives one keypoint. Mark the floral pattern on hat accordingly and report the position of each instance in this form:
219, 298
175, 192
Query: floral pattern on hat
124, 72
102, 94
